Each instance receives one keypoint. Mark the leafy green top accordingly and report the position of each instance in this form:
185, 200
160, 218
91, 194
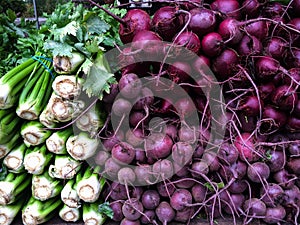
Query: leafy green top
106, 209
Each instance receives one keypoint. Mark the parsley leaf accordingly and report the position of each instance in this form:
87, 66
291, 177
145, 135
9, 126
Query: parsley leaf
106, 209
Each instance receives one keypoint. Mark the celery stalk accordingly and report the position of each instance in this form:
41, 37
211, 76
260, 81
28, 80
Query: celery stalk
13, 186
37, 212
35, 94
45, 187
34, 133
56, 143
7, 147
69, 194
91, 215
91, 185
69, 214
8, 124
37, 159
15, 158
81, 146
9, 212
67, 86
64, 167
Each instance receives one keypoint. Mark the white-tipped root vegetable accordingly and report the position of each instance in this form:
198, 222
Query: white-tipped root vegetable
90, 186
56, 143
37, 212
64, 167
69, 194
12, 187
67, 86
45, 187
15, 158
69, 214
91, 215
9, 212
63, 110
66, 64
35, 94
37, 159
92, 120
34, 133
10, 144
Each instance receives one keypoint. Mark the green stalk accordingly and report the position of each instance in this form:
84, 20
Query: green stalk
91, 215
12, 84
9, 212
69, 214
69, 195
35, 95
17, 70
7, 147
9, 122
64, 167
13, 186
14, 159
34, 133
37, 212
56, 143
45, 187
81, 146
91, 185
37, 159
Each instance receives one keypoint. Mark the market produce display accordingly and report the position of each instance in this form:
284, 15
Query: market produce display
146, 116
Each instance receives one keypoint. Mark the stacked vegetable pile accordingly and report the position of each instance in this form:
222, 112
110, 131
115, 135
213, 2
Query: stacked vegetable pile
84, 138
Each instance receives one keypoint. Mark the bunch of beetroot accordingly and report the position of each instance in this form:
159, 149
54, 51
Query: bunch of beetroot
251, 50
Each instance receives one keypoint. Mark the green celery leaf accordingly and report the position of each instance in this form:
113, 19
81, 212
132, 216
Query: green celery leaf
96, 26
58, 48
98, 81
3, 172
106, 209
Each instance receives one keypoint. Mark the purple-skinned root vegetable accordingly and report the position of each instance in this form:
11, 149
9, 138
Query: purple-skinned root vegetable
275, 160
229, 8
199, 192
249, 45
165, 213
134, 21
284, 178
275, 215
225, 65
188, 40
165, 189
230, 31
255, 207
131, 209
212, 44
245, 145
272, 194
258, 172
238, 186
180, 199
285, 97
259, 29
167, 22
150, 199
184, 216
117, 209
179, 72
202, 21
227, 153
126, 221
158, 146
250, 105
236, 202
130, 85
251, 8
293, 165
148, 217
276, 47
123, 153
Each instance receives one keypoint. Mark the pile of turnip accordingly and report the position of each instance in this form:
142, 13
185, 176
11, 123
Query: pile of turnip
251, 50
